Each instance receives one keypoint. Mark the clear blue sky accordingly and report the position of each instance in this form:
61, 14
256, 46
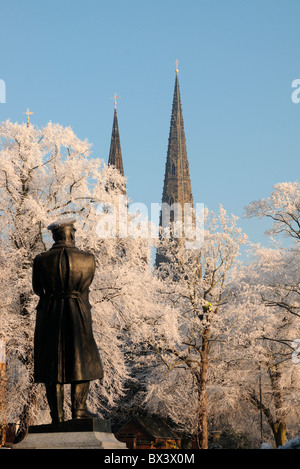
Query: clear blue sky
65, 59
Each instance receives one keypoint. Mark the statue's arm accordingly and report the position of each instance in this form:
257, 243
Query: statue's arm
94, 267
36, 284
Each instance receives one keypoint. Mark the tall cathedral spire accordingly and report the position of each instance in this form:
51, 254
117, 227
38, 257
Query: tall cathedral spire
177, 183
115, 154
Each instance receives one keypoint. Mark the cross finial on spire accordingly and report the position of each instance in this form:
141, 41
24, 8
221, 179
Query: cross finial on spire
28, 112
115, 97
176, 63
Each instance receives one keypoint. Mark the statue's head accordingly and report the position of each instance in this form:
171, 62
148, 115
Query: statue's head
63, 230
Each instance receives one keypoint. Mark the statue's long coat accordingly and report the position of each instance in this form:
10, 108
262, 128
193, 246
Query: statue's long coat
64, 346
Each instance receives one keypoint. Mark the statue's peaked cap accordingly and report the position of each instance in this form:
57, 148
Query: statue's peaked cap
61, 224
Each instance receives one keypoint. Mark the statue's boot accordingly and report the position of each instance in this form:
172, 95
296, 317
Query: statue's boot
55, 396
79, 393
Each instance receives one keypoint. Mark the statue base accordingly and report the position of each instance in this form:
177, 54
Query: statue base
72, 434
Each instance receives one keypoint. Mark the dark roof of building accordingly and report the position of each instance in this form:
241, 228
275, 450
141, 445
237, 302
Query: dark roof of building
154, 426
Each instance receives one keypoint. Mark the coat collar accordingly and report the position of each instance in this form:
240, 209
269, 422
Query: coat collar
63, 245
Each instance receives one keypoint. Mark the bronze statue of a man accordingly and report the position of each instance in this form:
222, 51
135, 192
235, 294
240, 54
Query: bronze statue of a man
64, 347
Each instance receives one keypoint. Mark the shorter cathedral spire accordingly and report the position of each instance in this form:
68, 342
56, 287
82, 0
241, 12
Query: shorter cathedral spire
115, 153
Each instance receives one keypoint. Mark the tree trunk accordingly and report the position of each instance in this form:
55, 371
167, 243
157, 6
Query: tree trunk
202, 430
24, 418
279, 432
279, 425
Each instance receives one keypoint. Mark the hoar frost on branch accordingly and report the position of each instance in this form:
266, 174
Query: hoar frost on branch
282, 207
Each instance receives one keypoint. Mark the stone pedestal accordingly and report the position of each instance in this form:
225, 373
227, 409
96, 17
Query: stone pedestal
72, 434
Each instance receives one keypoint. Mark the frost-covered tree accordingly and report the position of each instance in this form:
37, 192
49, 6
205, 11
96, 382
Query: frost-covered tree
47, 174
274, 280
195, 289
258, 381
263, 366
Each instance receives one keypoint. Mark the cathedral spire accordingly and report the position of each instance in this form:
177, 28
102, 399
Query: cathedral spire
115, 154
